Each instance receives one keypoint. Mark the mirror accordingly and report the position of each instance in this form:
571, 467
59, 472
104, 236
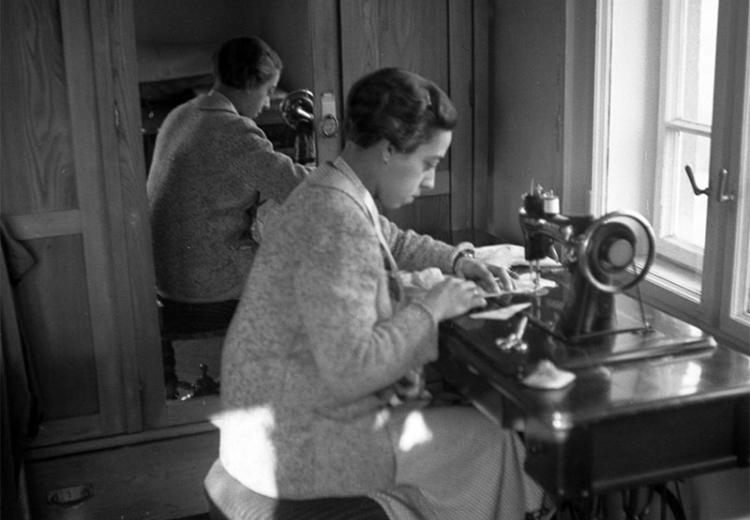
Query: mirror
175, 42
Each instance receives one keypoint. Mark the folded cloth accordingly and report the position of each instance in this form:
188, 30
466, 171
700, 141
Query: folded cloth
503, 313
418, 282
547, 376
508, 255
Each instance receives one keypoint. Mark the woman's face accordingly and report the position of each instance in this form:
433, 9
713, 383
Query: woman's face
405, 175
257, 98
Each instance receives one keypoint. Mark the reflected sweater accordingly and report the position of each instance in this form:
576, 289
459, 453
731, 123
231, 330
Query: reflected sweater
212, 169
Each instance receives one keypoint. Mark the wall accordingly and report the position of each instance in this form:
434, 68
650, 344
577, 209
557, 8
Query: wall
578, 117
633, 98
191, 21
283, 24
527, 86
542, 112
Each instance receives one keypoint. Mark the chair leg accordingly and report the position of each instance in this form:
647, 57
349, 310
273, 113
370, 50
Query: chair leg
170, 375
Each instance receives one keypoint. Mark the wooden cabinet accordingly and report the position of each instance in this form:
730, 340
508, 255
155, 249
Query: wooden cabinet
72, 191
69, 194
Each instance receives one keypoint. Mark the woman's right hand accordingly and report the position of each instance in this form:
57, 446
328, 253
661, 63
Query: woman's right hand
453, 297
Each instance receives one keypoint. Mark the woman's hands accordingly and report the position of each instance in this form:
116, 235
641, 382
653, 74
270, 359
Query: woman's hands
491, 278
453, 297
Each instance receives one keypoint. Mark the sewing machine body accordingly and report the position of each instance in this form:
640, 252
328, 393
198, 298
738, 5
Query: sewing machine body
600, 258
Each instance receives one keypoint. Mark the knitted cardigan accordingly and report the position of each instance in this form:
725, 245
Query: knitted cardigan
212, 169
314, 340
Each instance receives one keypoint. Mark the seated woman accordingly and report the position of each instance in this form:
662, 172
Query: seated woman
213, 172
316, 364
213, 181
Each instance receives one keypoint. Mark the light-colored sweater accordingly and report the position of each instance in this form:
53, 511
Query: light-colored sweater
315, 337
211, 167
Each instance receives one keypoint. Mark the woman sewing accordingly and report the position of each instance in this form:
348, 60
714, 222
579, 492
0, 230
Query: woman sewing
213, 173
215, 178
318, 364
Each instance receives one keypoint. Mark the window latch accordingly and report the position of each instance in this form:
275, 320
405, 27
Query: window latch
722, 196
696, 189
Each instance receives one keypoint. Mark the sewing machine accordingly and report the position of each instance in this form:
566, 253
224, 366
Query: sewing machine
297, 112
654, 398
599, 257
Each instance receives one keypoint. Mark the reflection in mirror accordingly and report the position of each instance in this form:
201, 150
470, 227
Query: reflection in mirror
170, 75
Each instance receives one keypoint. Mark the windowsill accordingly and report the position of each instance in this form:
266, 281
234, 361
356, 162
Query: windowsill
679, 280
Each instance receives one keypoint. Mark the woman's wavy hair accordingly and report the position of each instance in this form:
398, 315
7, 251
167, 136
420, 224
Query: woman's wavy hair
246, 62
397, 105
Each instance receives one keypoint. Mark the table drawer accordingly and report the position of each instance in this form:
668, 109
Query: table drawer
155, 480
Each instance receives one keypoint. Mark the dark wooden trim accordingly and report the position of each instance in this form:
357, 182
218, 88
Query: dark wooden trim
482, 196
109, 123
326, 57
44, 225
102, 291
460, 86
115, 441
142, 363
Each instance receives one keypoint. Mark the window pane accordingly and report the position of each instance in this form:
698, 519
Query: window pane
742, 269
684, 218
741, 290
698, 58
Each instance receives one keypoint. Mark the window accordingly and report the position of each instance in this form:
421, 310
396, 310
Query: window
672, 95
688, 53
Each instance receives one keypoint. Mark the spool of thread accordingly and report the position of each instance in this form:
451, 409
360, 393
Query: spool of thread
534, 205
551, 203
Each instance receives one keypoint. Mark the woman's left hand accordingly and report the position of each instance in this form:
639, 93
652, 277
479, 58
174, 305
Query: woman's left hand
489, 277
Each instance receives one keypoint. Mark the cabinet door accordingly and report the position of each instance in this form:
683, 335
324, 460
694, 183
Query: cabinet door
436, 39
63, 196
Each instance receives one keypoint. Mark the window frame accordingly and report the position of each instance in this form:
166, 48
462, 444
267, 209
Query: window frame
714, 309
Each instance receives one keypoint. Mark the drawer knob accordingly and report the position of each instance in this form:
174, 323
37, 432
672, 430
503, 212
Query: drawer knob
70, 496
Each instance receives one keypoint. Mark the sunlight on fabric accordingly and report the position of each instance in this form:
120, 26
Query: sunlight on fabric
247, 450
415, 432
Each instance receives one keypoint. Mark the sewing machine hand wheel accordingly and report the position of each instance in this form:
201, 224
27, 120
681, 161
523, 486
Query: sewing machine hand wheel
616, 251
297, 108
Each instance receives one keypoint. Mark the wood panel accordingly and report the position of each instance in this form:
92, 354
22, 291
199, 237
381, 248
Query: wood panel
412, 35
460, 89
63, 344
481, 107
386, 33
35, 119
326, 53
421, 216
133, 258
66, 198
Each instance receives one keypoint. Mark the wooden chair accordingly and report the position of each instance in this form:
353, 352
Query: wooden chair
223, 492
184, 321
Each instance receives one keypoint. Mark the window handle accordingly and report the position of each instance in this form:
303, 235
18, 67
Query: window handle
722, 196
696, 189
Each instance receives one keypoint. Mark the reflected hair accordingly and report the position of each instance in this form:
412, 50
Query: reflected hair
246, 62
397, 105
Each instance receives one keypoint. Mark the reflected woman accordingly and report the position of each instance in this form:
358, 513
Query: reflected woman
316, 363
213, 167
213, 178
